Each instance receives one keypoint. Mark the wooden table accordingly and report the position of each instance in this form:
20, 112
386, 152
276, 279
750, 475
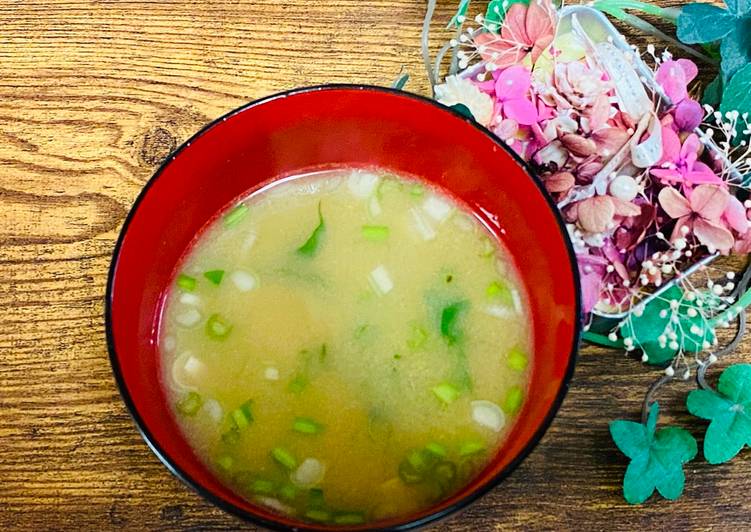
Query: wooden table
93, 95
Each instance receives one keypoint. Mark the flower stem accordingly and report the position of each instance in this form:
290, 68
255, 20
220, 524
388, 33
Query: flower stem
732, 311
425, 41
619, 6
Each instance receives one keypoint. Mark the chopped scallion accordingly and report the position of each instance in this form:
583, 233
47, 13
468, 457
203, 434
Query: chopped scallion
517, 359
190, 404
318, 515
305, 425
450, 321
375, 233
446, 392
234, 216
500, 291
488, 249
214, 276
310, 247
471, 447
349, 518
217, 328
418, 337
186, 282
417, 190
288, 492
298, 383
513, 401
436, 449
225, 462
386, 186
262, 487
242, 416
315, 498
284, 457
444, 473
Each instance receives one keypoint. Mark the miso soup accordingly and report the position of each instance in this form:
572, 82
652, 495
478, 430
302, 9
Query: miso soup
346, 346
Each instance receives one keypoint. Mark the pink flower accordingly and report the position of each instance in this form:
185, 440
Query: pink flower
597, 214
525, 31
674, 77
511, 89
701, 213
679, 164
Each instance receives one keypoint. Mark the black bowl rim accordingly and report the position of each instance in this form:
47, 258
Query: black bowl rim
274, 525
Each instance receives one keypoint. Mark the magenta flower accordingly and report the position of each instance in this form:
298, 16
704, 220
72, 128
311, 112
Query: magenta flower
511, 89
701, 213
679, 164
674, 77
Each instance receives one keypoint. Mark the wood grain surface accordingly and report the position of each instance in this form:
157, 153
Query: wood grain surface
93, 95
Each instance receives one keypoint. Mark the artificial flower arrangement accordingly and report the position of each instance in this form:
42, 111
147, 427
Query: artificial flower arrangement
653, 187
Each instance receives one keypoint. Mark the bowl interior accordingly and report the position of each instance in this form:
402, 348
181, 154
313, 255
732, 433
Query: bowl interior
336, 125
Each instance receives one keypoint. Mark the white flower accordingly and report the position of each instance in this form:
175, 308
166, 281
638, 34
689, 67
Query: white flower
458, 90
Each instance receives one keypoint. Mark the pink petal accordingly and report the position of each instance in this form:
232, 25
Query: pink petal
689, 68
609, 140
521, 110
689, 150
514, 30
513, 83
688, 115
674, 203
625, 208
702, 177
596, 213
667, 175
495, 49
712, 234
487, 86
600, 112
743, 245
671, 146
544, 112
709, 202
679, 224
672, 79
735, 215
591, 285
507, 128
540, 24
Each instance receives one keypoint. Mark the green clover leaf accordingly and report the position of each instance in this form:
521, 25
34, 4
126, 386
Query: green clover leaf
729, 412
657, 457
655, 321
700, 23
705, 23
737, 96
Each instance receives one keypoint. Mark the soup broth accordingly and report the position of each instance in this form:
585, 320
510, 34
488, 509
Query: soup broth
345, 346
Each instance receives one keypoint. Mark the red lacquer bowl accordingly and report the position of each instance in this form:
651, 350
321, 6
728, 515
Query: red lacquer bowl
324, 126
